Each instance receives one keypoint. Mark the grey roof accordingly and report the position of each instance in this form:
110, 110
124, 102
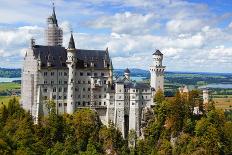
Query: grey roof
126, 70
132, 84
157, 53
54, 19
138, 85
58, 57
71, 44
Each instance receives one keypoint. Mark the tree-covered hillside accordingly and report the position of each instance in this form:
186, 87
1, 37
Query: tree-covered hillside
170, 129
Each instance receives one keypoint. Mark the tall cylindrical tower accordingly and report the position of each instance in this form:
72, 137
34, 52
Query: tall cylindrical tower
157, 71
71, 63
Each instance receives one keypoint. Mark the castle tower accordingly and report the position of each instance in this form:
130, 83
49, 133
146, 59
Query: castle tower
205, 96
119, 114
71, 63
53, 33
157, 71
127, 73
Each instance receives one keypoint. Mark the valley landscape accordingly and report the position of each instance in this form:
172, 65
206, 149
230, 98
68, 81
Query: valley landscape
219, 84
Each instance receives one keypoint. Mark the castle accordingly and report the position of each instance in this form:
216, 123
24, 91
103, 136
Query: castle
78, 78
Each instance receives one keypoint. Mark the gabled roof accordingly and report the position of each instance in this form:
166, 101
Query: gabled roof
157, 53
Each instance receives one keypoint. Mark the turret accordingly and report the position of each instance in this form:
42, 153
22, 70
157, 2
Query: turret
157, 58
205, 96
71, 63
127, 73
157, 72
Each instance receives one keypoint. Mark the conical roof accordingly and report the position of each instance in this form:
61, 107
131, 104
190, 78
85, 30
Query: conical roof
157, 53
71, 44
54, 16
126, 70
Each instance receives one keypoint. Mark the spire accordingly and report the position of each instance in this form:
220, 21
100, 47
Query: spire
54, 15
71, 44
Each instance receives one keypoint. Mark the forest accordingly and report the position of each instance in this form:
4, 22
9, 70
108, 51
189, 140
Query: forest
171, 128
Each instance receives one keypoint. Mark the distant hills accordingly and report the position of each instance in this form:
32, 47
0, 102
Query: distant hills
10, 73
135, 72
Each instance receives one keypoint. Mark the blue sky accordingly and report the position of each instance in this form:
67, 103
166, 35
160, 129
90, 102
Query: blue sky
194, 35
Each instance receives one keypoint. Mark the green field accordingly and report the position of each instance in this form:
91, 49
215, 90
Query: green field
223, 103
8, 86
6, 99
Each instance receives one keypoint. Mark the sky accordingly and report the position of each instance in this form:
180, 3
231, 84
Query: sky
193, 35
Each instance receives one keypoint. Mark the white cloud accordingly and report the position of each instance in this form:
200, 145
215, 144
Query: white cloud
127, 23
184, 26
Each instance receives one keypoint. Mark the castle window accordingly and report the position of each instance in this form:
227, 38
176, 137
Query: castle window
88, 74
95, 74
79, 82
102, 74
45, 82
65, 74
83, 89
60, 97
65, 97
60, 89
104, 81
65, 89
119, 97
45, 90
83, 103
133, 90
45, 97
104, 95
104, 89
52, 82
83, 82
54, 97
88, 96
104, 103
133, 103
88, 89
65, 104
89, 82
79, 96
100, 103
65, 82
76, 89
60, 104
99, 96
45, 73
111, 103
81, 73
52, 73
79, 103
111, 97
54, 89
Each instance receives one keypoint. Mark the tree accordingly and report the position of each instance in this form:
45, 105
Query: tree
159, 96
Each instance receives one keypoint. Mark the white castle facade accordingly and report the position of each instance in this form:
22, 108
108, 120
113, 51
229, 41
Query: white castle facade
77, 78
